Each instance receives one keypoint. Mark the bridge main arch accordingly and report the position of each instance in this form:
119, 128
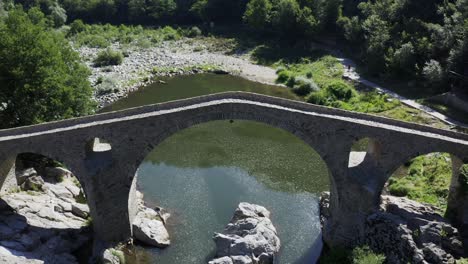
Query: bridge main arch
155, 135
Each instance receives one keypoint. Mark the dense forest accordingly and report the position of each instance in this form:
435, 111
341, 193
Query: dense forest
420, 42
417, 40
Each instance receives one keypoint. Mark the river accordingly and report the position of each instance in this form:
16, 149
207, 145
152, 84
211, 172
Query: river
200, 175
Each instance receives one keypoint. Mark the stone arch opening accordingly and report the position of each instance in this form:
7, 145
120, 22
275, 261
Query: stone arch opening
98, 154
212, 166
424, 178
42, 206
364, 150
421, 205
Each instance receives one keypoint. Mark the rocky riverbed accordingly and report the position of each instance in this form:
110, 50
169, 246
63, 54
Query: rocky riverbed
43, 222
169, 58
406, 231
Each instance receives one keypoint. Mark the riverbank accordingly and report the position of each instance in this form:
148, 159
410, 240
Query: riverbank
44, 220
141, 66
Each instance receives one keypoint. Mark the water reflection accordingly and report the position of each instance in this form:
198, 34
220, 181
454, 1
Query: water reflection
202, 201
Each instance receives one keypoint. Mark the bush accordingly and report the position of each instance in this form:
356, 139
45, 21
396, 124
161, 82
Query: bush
317, 98
364, 255
57, 15
106, 85
341, 90
283, 76
170, 34
433, 72
303, 86
93, 41
194, 32
76, 27
359, 255
108, 57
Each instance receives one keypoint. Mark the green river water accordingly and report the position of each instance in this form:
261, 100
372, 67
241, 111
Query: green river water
202, 173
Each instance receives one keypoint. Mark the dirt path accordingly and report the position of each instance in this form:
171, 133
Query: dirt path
350, 73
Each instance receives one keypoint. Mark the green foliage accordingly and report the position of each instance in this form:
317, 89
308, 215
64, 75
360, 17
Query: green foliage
76, 27
433, 73
359, 255
58, 15
193, 32
286, 16
340, 90
106, 86
303, 86
101, 36
257, 15
363, 255
463, 178
41, 76
427, 180
108, 57
145, 11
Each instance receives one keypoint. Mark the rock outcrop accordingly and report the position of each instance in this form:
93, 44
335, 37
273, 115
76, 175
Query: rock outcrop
38, 225
149, 225
406, 231
250, 237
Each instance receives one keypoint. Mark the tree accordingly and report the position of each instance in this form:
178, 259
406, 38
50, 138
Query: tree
150, 10
286, 16
376, 33
257, 14
308, 25
41, 77
57, 15
403, 61
433, 73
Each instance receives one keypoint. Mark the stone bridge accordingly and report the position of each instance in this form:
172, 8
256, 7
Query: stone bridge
107, 170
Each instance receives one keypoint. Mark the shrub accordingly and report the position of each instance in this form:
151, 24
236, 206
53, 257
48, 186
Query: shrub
291, 81
364, 255
93, 41
433, 72
170, 33
57, 14
341, 90
194, 32
397, 189
280, 69
283, 76
108, 57
106, 85
76, 27
319, 98
304, 86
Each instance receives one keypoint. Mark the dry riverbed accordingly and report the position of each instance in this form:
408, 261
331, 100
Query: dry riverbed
187, 56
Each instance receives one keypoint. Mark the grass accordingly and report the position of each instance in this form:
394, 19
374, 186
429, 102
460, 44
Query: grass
201, 68
102, 36
425, 179
451, 112
359, 255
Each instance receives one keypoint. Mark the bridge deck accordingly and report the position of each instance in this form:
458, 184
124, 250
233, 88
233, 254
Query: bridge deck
232, 98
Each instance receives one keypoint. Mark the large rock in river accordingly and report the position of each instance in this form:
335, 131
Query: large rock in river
149, 225
250, 237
